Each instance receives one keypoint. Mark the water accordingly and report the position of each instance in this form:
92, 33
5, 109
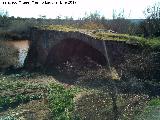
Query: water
22, 46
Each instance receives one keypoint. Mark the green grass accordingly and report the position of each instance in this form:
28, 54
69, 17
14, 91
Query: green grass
18, 89
153, 43
7, 102
61, 101
15, 91
154, 102
151, 111
113, 36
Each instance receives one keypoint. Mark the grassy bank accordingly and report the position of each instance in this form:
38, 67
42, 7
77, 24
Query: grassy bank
24, 94
32, 95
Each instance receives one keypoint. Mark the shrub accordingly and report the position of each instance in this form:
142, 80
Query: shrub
19, 26
8, 55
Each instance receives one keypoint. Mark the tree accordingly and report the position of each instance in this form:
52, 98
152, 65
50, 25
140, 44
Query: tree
93, 17
151, 26
4, 19
119, 23
93, 21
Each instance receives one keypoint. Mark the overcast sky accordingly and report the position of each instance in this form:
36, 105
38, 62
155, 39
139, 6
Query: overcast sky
132, 8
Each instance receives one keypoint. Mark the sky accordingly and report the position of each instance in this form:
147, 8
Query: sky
133, 9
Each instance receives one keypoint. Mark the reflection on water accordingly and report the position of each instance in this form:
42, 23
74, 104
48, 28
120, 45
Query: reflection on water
22, 46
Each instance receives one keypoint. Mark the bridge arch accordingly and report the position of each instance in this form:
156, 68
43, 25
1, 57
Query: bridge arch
72, 47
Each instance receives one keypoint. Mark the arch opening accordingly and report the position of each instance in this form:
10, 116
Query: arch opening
71, 49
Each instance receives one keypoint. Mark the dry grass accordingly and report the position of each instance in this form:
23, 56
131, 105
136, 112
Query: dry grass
65, 28
98, 106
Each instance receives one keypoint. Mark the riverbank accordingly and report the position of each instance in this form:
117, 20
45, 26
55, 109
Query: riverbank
37, 96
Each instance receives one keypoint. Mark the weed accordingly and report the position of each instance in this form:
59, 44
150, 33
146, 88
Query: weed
6, 102
61, 102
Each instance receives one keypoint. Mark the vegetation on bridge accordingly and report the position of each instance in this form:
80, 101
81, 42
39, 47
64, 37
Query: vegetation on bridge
103, 34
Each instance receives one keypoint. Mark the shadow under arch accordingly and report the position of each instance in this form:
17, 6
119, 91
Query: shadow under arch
71, 47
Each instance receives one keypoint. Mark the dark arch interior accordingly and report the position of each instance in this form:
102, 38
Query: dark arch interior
69, 48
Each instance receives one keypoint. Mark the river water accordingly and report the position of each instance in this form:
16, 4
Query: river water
22, 46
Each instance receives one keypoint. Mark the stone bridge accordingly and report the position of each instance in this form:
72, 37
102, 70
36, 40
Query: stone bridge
51, 47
